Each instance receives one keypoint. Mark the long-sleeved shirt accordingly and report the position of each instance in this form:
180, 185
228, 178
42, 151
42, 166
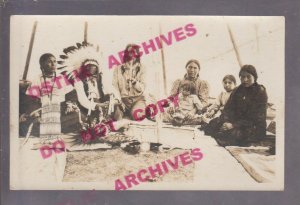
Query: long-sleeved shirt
122, 83
202, 89
221, 101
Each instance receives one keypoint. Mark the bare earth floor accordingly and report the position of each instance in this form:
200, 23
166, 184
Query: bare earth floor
109, 165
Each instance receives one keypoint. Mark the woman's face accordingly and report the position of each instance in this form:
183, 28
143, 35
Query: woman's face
49, 65
247, 79
192, 70
228, 85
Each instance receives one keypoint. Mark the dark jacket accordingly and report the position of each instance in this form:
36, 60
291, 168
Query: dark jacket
246, 109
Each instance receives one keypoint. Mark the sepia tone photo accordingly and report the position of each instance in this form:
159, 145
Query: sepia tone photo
147, 103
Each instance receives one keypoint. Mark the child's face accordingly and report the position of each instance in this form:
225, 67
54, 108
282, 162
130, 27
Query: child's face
228, 85
186, 92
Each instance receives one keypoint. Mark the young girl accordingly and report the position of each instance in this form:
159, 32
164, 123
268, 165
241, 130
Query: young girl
188, 106
229, 83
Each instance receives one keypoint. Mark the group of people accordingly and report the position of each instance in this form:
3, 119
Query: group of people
238, 114
236, 117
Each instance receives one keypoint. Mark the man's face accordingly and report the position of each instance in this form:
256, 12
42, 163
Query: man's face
247, 79
49, 65
92, 69
192, 70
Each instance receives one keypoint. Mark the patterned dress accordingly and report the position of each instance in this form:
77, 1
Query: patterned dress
51, 94
202, 89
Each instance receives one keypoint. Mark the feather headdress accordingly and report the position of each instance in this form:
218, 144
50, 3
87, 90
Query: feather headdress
75, 60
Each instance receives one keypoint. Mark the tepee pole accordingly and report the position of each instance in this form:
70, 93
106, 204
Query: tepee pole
163, 63
85, 31
29, 51
235, 47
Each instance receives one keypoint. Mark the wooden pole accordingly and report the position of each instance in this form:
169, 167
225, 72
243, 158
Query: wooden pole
85, 31
163, 64
29, 51
235, 47
158, 122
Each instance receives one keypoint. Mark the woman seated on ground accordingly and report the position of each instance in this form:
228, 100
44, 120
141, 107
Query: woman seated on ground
129, 82
192, 74
189, 105
215, 110
244, 117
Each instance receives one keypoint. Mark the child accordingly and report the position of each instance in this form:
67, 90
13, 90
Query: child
188, 106
229, 83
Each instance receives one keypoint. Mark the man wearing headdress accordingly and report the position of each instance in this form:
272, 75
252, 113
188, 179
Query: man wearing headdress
89, 97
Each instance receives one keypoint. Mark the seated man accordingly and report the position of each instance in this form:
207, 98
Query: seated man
88, 99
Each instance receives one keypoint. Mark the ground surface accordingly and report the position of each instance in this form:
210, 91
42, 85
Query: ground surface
109, 165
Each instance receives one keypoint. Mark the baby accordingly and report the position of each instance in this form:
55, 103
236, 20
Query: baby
188, 107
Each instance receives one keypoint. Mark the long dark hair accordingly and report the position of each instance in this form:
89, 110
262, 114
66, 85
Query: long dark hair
132, 51
43, 58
